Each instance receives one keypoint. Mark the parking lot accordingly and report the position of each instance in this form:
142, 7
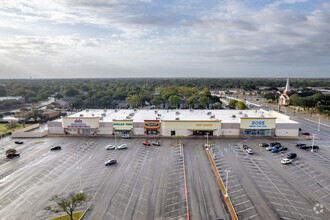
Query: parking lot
148, 182
166, 182
261, 188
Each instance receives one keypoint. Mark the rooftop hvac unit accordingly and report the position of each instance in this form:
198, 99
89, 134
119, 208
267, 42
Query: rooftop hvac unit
103, 114
81, 115
177, 119
240, 112
157, 118
87, 110
233, 116
131, 114
92, 114
159, 115
156, 112
127, 117
177, 113
105, 110
212, 116
101, 118
246, 115
191, 110
209, 113
135, 109
116, 110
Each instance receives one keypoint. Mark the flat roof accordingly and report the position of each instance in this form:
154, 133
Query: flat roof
140, 115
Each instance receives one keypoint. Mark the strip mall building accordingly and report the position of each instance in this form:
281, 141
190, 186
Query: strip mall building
176, 122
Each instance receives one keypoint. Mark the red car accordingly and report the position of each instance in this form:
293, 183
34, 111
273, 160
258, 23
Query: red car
13, 155
306, 133
146, 143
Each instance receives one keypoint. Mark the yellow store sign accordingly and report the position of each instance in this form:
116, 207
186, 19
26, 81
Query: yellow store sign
258, 123
192, 125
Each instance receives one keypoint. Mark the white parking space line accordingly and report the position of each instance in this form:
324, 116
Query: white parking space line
244, 210
250, 217
242, 202
180, 216
238, 196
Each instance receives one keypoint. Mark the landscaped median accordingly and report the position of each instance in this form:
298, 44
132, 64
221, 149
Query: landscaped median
76, 216
222, 188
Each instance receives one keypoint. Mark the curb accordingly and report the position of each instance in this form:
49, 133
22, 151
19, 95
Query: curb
222, 188
185, 181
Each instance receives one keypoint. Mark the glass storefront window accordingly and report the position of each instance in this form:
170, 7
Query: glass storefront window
256, 132
202, 132
152, 132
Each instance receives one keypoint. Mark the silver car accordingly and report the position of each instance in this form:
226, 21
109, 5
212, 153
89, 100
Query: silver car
122, 146
110, 147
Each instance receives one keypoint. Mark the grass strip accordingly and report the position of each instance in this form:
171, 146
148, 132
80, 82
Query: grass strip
76, 216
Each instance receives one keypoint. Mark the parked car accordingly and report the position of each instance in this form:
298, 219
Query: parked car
286, 161
291, 155
263, 145
155, 143
275, 150
269, 148
249, 151
277, 146
306, 133
110, 162
19, 142
274, 143
146, 143
245, 146
110, 147
304, 147
13, 155
282, 148
126, 136
314, 147
299, 144
122, 146
56, 148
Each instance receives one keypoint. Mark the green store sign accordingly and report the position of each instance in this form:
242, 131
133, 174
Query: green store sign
123, 124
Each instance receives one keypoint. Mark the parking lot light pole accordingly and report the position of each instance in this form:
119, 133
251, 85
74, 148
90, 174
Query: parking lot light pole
207, 139
81, 190
313, 143
318, 128
227, 171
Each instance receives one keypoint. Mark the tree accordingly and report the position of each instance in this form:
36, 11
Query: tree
156, 101
232, 103
67, 203
58, 96
11, 125
22, 116
3, 91
71, 92
204, 101
174, 100
217, 105
241, 105
190, 102
133, 101
35, 114
11, 151
295, 100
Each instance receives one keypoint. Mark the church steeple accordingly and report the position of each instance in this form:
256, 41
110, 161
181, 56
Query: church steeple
287, 87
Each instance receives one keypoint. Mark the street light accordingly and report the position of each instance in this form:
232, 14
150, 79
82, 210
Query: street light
207, 139
227, 171
318, 129
313, 143
81, 190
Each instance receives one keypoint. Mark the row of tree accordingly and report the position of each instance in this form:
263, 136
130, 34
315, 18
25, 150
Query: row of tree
318, 101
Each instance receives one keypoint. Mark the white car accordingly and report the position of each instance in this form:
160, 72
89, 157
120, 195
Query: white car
110, 147
249, 151
122, 146
286, 161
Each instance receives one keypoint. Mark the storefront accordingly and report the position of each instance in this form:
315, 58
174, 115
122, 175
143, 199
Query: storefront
151, 127
123, 126
80, 125
189, 128
257, 126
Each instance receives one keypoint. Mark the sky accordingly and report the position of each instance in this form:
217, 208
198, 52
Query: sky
158, 38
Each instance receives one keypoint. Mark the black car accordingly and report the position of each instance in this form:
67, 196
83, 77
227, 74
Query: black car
300, 144
291, 155
277, 146
56, 148
13, 155
282, 148
304, 147
314, 147
19, 142
245, 146
110, 162
275, 143
264, 145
